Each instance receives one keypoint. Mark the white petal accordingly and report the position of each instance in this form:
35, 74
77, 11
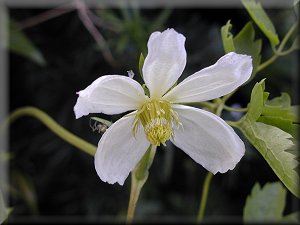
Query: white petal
165, 61
228, 73
207, 139
111, 94
119, 151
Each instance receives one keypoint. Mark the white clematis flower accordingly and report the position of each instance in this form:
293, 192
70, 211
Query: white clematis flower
205, 137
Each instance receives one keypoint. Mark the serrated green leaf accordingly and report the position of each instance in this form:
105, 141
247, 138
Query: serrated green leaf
262, 20
276, 112
141, 63
265, 204
21, 45
227, 38
279, 112
272, 144
255, 107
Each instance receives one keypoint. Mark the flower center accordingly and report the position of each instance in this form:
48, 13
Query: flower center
157, 118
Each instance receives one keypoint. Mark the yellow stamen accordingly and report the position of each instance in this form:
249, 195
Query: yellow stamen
157, 118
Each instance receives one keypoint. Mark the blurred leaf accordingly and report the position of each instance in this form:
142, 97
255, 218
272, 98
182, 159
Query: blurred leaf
291, 218
141, 63
243, 43
21, 45
265, 204
227, 38
262, 20
270, 141
27, 191
3, 209
295, 44
296, 7
160, 20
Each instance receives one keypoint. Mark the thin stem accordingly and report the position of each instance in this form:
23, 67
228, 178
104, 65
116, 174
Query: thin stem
267, 63
287, 37
53, 126
279, 50
50, 14
89, 25
204, 195
138, 179
235, 109
207, 104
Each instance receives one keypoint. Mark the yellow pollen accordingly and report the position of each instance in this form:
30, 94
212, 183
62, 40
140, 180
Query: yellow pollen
157, 118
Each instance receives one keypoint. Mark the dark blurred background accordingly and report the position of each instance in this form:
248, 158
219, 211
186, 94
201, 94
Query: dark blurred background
52, 181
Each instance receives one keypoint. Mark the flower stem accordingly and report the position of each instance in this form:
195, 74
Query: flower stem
53, 126
204, 195
138, 178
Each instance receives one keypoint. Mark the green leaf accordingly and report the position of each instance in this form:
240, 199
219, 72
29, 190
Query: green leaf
255, 107
227, 38
243, 43
21, 45
262, 20
272, 142
265, 204
141, 170
141, 63
279, 112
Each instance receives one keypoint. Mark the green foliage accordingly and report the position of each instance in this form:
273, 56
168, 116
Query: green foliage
141, 172
133, 29
227, 37
3, 210
243, 43
279, 112
262, 20
141, 63
272, 143
21, 45
267, 204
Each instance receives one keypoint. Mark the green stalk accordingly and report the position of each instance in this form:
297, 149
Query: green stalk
204, 195
138, 178
54, 127
280, 48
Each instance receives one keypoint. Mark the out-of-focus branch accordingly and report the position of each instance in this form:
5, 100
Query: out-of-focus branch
88, 23
50, 14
